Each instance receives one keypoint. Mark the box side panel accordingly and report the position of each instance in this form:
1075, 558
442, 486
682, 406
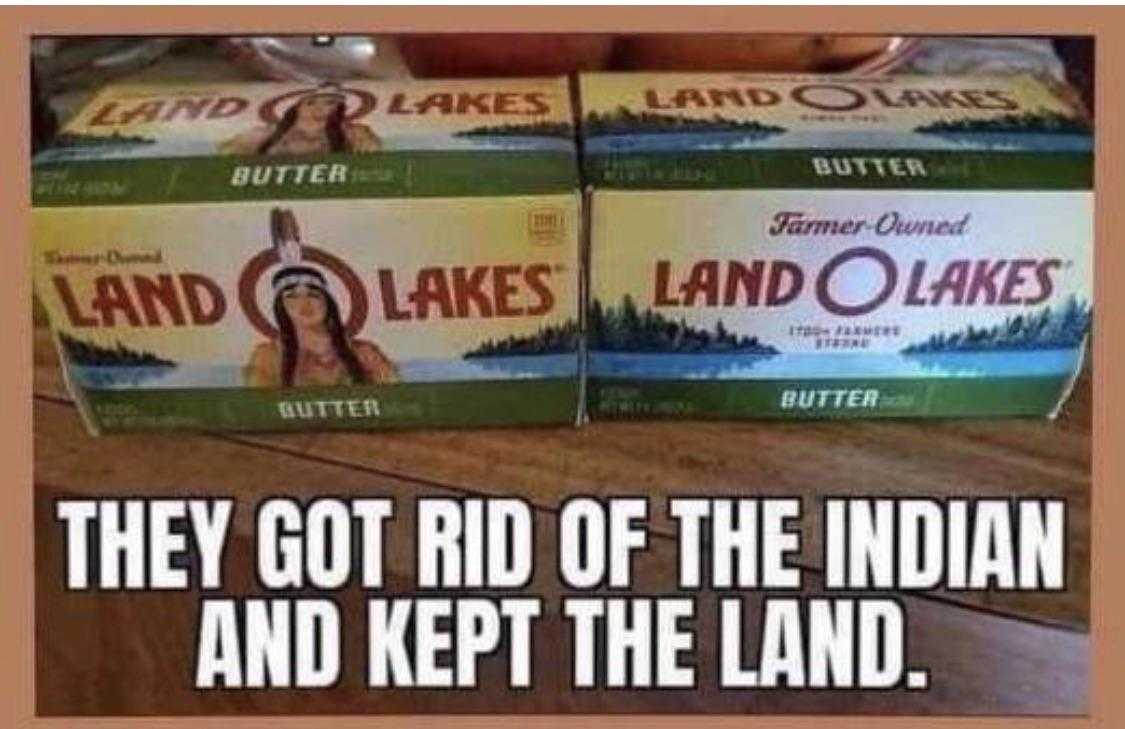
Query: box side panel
77, 393
383, 313
1068, 387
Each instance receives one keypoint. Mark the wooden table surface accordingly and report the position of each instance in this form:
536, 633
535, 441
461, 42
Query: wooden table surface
987, 652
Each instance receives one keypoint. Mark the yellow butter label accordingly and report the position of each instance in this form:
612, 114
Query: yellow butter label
193, 119
231, 295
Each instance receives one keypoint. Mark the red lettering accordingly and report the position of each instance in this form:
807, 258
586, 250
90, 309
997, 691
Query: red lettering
473, 102
433, 289
538, 104
703, 281
781, 273
984, 280
652, 100
503, 290
398, 105
1014, 280
763, 97
470, 289
689, 97
953, 280
70, 304
1004, 102
536, 278
104, 116
226, 107
204, 298
442, 102
112, 297
162, 291
748, 279
719, 97
146, 112
506, 104
390, 300
824, 279
188, 108
661, 296
1046, 284
917, 272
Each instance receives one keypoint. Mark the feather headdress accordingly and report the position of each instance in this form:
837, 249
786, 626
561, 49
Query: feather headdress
286, 237
328, 88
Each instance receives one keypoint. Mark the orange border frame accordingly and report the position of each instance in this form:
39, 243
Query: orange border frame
1107, 705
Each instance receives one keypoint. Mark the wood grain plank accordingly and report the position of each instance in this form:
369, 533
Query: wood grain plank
996, 458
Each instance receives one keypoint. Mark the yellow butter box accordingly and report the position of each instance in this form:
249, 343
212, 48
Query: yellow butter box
277, 256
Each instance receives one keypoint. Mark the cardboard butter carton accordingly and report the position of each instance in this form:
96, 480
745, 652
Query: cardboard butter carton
776, 246
281, 256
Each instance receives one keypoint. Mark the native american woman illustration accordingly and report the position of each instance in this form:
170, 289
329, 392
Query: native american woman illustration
315, 123
312, 346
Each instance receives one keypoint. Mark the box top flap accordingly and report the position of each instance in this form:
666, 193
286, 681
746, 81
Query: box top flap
837, 111
398, 138
748, 129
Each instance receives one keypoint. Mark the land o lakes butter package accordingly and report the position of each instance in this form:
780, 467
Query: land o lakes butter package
769, 246
280, 256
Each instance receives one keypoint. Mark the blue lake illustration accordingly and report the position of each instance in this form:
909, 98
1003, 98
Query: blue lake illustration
182, 147
839, 140
112, 377
1034, 363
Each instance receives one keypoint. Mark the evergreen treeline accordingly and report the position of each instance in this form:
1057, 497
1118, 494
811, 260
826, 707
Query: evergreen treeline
626, 121
71, 139
626, 329
554, 339
1029, 121
1061, 328
538, 129
90, 354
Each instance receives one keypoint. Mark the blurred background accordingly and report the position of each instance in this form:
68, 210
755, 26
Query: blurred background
67, 71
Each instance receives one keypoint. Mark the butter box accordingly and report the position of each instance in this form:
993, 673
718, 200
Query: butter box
795, 246
284, 256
